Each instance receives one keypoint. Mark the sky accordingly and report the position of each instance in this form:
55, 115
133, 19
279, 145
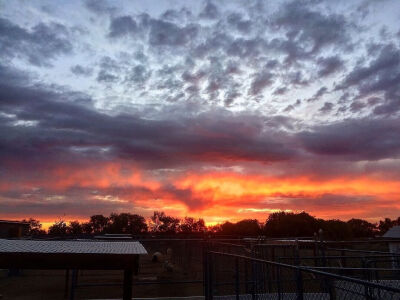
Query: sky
224, 110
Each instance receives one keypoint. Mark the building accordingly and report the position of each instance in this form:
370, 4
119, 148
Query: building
13, 229
394, 245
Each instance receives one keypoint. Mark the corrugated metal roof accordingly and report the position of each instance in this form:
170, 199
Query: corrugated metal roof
393, 232
13, 222
78, 247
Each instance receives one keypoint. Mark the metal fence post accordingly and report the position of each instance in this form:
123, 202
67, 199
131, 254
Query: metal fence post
210, 277
237, 286
366, 278
299, 277
246, 286
205, 271
278, 277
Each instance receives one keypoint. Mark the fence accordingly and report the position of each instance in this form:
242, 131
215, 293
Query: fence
230, 276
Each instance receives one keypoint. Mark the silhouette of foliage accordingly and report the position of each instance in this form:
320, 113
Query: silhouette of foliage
361, 228
283, 224
192, 225
35, 227
164, 224
58, 228
74, 227
279, 224
126, 223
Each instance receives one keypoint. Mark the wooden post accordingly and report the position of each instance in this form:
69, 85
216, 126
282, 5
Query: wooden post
128, 277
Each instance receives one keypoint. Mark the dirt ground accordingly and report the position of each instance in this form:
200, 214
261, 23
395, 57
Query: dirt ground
37, 284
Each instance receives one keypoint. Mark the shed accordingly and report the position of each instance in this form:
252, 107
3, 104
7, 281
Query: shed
72, 254
393, 234
13, 229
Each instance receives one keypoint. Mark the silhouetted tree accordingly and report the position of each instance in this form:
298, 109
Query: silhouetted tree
283, 224
74, 227
336, 229
191, 225
163, 223
87, 228
361, 228
386, 224
227, 228
99, 223
58, 228
126, 223
249, 227
35, 227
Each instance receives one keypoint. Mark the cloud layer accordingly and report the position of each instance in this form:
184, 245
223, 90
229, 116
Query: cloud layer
222, 111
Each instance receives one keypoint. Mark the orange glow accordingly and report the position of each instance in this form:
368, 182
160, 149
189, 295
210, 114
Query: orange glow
214, 196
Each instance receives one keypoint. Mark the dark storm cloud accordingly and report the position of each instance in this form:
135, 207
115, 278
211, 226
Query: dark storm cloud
355, 139
39, 45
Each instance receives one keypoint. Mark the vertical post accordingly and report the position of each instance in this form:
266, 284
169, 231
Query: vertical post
278, 278
246, 286
66, 283
74, 280
210, 276
128, 277
273, 259
253, 278
205, 270
268, 286
299, 277
344, 260
237, 286
315, 249
366, 278
299, 285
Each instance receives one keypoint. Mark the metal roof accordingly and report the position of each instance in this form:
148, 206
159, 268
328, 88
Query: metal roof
13, 222
76, 247
393, 232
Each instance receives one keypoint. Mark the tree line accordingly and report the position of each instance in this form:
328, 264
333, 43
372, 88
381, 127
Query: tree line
279, 224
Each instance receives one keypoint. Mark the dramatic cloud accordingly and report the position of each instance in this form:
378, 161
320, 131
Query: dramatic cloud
225, 110
39, 44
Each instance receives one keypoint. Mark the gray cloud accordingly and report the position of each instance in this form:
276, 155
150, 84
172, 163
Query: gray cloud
305, 25
260, 82
39, 45
210, 11
81, 71
121, 26
356, 139
329, 65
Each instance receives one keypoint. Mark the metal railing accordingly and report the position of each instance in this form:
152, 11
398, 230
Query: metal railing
230, 276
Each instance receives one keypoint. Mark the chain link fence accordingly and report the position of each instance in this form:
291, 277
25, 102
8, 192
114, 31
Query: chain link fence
230, 276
